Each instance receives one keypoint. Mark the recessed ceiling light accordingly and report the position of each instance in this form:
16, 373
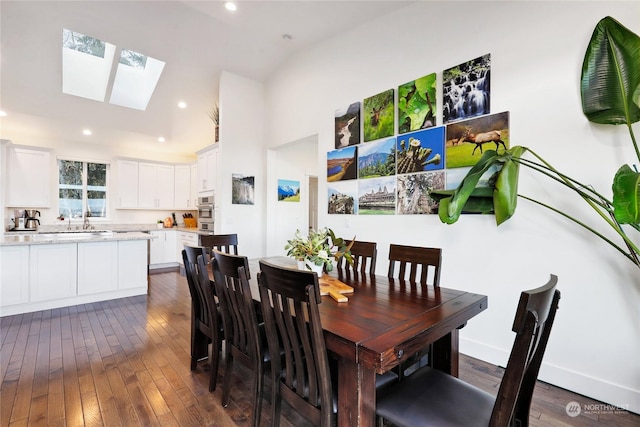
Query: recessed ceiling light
287, 36
182, 105
231, 6
161, 139
87, 132
3, 113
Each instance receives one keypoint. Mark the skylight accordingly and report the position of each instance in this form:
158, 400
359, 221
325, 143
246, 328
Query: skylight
86, 68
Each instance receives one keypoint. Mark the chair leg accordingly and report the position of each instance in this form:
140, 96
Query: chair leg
257, 393
215, 358
275, 400
199, 347
228, 373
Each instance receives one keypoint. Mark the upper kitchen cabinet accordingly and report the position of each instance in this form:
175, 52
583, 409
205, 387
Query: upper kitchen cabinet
29, 177
182, 195
127, 184
207, 164
155, 186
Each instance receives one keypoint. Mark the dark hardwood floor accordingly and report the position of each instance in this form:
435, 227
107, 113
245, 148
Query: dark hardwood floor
126, 363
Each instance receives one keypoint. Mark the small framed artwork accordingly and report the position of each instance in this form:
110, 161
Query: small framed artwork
420, 151
468, 139
347, 131
288, 190
379, 116
342, 164
242, 189
342, 198
417, 104
466, 90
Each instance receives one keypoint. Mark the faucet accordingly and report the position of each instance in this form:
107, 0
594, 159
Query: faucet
69, 227
86, 225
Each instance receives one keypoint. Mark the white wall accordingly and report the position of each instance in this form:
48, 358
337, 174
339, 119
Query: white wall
536, 52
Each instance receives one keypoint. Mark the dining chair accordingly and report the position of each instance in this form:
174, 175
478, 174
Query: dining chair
363, 253
222, 242
289, 297
205, 319
243, 335
410, 259
431, 397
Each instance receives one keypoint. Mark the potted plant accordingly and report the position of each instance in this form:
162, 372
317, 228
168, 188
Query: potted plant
214, 115
318, 249
610, 89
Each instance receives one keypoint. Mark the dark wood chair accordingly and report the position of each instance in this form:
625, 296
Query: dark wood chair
205, 319
410, 259
243, 337
363, 253
431, 397
289, 297
227, 243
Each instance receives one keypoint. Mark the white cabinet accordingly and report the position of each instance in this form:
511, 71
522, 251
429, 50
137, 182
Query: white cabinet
29, 178
207, 164
132, 264
14, 275
182, 194
185, 238
194, 186
127, 184
162, 248
155, 186
97, 267
53, 270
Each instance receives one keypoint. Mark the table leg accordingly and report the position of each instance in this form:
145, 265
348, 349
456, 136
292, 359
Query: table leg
356, 395
446, 353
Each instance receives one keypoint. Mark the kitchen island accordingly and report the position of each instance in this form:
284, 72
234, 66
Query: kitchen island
40, 271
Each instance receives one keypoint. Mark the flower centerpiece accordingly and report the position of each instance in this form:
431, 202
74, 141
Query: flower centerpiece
318, 249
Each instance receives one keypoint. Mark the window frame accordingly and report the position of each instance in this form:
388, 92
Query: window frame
85, 190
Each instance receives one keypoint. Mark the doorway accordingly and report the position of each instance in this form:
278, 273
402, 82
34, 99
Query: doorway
312, 186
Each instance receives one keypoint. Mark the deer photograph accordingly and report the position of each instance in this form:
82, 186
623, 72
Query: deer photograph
378, 116
467, 140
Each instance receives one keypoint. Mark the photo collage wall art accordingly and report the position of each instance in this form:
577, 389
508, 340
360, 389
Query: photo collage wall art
387, 173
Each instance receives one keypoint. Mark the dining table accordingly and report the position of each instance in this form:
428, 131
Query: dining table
384, 322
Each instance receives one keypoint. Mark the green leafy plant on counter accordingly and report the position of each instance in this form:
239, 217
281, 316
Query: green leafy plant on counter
319, 247
610, 89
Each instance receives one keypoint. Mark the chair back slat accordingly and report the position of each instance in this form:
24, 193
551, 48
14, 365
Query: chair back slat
532, 324
290, 300
412, 260
227, 243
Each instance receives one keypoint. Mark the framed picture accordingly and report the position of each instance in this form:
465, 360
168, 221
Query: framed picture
466, 90
417, 104
377, 158
413, 192
347, 126
420, 151
288, 190
342, 164
242, 189
342, 197
379, 116
468, 139
377, 196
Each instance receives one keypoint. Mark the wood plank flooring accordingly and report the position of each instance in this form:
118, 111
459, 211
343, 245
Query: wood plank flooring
126, 363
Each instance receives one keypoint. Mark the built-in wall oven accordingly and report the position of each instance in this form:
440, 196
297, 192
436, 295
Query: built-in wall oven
205, 212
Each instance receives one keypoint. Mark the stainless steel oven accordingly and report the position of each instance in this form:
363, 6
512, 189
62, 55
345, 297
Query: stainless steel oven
205, 212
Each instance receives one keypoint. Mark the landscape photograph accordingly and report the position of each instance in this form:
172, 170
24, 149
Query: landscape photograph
342, 198
347, 126
466, 90
377, 158
288, 190
342, 164
242, 189
377, 196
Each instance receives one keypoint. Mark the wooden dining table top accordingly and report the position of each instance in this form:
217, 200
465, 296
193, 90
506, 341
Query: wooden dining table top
386, 320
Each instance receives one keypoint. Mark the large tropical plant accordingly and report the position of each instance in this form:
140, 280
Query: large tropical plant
610, 89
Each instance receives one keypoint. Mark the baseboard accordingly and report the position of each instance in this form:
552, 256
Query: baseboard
577, 382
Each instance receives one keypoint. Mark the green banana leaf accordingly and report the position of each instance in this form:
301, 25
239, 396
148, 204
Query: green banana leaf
480, 201
611, 74
626, 196
505, 196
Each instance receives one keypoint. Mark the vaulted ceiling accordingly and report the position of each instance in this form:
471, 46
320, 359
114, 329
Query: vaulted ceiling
196, 39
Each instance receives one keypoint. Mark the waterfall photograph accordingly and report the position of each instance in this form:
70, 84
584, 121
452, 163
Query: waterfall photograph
348, 125
466, 90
